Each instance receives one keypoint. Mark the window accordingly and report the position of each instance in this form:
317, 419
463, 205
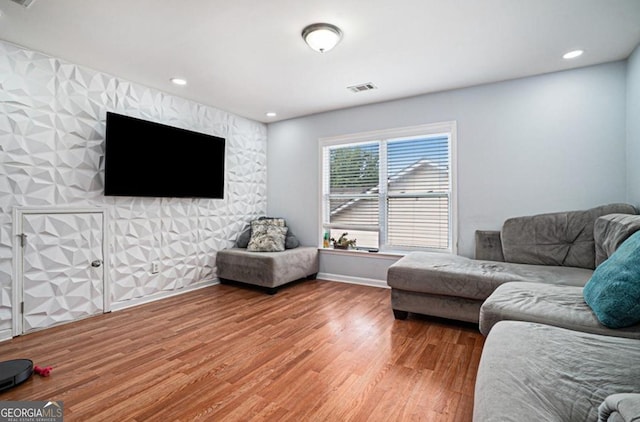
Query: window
391, 190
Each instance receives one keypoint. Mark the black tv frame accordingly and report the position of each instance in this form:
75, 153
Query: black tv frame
149, 159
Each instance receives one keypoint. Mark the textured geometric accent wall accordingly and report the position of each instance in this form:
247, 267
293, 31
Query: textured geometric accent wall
52, 126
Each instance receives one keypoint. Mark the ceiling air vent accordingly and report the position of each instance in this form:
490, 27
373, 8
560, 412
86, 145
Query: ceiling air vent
24, 3
362, 87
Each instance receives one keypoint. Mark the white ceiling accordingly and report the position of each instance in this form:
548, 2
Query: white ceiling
247, 56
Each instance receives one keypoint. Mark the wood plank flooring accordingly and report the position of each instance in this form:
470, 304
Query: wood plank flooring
316, 351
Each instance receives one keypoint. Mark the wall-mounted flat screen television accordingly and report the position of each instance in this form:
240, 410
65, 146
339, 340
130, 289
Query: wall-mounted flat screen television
144, 158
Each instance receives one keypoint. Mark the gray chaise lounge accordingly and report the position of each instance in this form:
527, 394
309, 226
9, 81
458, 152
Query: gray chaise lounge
555, 248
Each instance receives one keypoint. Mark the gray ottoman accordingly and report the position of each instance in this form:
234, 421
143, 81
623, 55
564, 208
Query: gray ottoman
561, 306
267, 269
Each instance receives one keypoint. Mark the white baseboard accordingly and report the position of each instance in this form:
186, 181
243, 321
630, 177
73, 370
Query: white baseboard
353, 280
6, 334
162, 295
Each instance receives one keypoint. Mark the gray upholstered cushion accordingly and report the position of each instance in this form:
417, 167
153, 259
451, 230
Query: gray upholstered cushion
609, 231
453, 275
562, 306
532, 372
562, 239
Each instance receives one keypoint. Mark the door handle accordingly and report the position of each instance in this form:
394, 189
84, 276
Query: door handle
96, 263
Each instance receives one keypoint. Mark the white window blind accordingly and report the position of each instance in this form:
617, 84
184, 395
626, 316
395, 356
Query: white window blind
393, 193
418, 193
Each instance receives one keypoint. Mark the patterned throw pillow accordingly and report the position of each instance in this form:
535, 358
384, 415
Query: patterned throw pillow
290, 241
266, 237
271, 221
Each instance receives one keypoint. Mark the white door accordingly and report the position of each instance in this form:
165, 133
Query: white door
62, 268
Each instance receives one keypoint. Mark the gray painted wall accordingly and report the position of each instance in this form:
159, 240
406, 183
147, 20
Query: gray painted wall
540, 144
633, 128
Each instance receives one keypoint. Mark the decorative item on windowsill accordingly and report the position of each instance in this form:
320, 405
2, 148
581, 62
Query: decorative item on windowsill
343, 242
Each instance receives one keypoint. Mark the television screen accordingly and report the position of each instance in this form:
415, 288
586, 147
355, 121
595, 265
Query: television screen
143, 158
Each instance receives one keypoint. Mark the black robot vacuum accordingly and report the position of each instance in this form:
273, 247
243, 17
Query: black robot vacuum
14, 372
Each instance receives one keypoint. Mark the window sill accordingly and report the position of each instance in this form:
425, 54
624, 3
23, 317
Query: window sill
362, 253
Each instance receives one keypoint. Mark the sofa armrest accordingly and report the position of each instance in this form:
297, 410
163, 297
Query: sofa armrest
610, 231
620, 407
489, 245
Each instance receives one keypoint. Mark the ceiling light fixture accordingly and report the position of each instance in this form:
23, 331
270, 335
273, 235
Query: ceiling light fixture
24, 3
573, 54
178, 81
322, 37
271, 114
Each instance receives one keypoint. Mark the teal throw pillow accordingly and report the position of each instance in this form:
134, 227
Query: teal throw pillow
613, 292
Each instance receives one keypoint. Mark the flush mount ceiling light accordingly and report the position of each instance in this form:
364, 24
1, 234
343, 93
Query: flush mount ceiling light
321, 37
178, 81
24, 3
573, 54
271, 114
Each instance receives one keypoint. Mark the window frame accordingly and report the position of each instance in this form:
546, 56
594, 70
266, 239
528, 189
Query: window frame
448, 128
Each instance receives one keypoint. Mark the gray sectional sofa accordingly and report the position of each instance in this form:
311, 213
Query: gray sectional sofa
555, 248
547, 356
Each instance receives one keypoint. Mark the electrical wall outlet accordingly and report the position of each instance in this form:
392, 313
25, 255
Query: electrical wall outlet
155, 268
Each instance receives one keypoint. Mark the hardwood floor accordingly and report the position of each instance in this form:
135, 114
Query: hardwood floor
316, 351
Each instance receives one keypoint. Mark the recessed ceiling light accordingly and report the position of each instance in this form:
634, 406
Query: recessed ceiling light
573, 54
271, 114
178, 81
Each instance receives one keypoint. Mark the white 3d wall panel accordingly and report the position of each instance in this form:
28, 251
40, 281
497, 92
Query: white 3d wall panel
52, 126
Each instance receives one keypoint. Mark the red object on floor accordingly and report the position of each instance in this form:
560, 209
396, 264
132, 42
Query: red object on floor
44, 372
